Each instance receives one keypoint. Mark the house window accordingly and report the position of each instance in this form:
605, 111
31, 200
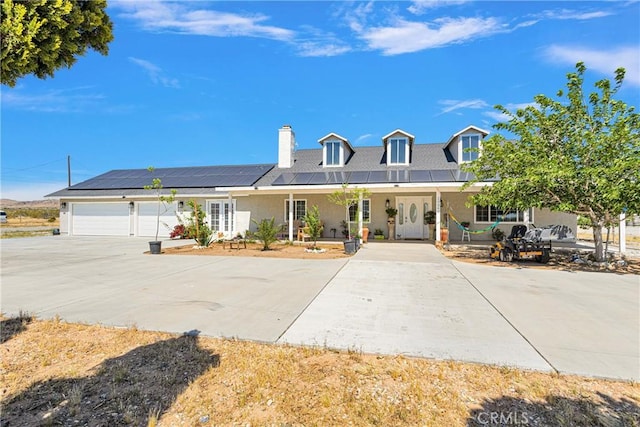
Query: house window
299, 209
332, 153
492, 213
353, 211
468, 142
398, 151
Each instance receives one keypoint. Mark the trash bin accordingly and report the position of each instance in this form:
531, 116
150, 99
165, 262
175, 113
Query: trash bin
56, 231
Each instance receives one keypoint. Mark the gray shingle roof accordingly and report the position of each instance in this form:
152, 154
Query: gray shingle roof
428, 163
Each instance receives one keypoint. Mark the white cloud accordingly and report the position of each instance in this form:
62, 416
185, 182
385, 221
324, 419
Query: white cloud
405, 36
603, 61
74, 100
567, 14
155, 73
319, 43
363, 138
419, 7
453, 104
25, 192
182, 18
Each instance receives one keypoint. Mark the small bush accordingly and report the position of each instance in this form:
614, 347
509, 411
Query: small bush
267, 232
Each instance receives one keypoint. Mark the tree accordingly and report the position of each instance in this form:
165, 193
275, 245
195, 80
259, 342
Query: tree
156, 186
314, 224
579, 155
347, 198
196, 225
40, 36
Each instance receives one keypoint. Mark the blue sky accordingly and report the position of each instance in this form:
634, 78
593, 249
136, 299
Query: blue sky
195, 83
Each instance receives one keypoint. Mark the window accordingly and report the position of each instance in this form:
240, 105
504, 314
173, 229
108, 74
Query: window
299, 209
353, 210
397, 151
470, 141
492, 213
332, 153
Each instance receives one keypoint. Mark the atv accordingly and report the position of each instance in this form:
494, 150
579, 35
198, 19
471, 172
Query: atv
521, 245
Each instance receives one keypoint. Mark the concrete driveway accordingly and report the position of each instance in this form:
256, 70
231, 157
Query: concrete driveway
391, 298
110, 281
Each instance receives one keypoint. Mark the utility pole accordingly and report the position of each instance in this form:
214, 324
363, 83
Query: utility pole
68, 171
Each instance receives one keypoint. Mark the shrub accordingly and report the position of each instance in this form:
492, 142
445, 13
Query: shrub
267, 232
196, 227
178, 232
313, 224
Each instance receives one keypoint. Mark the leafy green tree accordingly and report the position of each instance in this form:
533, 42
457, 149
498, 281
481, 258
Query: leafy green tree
313, 224
267, 232
163, 200
579, 155
40, 36
196, 227
346, 198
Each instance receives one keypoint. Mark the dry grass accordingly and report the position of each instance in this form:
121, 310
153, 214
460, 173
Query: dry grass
55, 373
25, 221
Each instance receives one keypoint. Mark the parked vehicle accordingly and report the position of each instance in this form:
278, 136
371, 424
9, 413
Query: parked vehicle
3, 217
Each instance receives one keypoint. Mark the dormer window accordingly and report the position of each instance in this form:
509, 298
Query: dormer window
332, 151
336, 150
398, 147
398, 151
468, 138
470, 142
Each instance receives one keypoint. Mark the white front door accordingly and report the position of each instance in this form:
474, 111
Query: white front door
410, 220
222, 217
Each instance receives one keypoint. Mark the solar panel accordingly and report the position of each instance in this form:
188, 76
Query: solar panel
359, 177
421, 176
337, 177
398, 176
302, 178
191, 177
318, 178
377, 177
442, 175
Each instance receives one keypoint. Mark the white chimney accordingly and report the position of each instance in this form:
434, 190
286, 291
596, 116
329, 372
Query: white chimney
286, 146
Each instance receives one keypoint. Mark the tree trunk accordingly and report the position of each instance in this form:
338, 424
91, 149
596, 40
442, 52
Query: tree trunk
597, 239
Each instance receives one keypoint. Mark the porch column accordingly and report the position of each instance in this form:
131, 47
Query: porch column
360, 215
438, 201
622, 230
290, 217
232, 218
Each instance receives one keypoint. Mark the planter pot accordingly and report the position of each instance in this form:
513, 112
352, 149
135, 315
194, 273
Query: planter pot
155, 247
444, 234
392, 229
365, 234
358, 243
349, 247
432, 232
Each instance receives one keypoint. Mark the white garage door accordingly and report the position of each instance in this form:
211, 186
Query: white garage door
100, 219
147, 219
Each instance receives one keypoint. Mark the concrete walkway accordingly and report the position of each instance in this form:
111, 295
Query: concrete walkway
409, 299
390, 298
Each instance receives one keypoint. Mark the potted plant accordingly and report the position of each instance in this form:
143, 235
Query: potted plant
347, 198
444, 233
378, 234
391, 221
155, 247
430, 220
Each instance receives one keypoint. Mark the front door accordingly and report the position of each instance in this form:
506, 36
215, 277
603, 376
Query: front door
221, 216
410, 221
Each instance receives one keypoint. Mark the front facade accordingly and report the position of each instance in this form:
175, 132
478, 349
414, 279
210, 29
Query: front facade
399, 172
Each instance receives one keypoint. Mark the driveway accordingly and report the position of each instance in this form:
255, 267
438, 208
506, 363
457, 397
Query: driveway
110, 281
390, 298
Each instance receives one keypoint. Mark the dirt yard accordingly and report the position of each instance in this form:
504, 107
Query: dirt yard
278, 250
54, 373
561, 259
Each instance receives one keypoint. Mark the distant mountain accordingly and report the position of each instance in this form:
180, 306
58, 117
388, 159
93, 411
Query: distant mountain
9, 203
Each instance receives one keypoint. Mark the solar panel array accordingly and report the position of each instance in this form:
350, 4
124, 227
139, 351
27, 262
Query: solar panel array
190, 177
373, 177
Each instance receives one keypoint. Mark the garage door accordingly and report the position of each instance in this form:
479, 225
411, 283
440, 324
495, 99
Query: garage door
100, 219
147, 219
